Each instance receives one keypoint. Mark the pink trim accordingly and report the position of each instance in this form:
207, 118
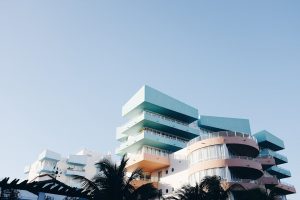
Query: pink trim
223, 140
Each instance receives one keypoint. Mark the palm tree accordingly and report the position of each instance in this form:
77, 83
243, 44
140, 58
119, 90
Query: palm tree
208, 189
189, 192
111, 183
212, 187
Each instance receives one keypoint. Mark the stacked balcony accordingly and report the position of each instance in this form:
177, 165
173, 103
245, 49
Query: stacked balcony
159, 122
279, 159
76, 164
154, 138
155, 121
268, 141
48, 160
279, 172
269, 145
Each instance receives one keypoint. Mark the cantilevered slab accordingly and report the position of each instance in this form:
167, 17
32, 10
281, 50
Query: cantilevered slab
51, 155
279, 172
153, 100
267, 140
225, 123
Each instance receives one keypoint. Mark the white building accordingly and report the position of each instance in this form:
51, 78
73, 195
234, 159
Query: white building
62, 168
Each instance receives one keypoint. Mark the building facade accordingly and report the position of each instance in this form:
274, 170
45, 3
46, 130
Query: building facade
50, 163
175, 146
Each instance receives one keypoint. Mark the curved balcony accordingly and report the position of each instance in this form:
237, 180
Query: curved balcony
238, 142
243, 167
239, 184
279, 159
266, 161
268, 181
284, 188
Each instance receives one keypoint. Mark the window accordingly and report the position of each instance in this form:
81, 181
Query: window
167, 190
172, 189
172, 169
167, 171
159, 175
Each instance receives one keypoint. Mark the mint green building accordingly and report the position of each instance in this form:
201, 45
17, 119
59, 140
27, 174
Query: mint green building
175, 145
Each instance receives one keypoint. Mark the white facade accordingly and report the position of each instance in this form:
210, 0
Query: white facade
62, 168
176, 175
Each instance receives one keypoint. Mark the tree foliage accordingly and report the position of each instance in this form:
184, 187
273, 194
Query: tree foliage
112, 183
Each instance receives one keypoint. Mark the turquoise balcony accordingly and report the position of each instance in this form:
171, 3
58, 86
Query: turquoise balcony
153, 100
151, 138
224, 123
279, 159
279, 172
158, 122
267, 140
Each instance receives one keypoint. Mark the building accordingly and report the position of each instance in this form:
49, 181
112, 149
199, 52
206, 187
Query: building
52, 164
175, 146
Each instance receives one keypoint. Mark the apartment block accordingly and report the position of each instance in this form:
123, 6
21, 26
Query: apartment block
175, 145
50, 163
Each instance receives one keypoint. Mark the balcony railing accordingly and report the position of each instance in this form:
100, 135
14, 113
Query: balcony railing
221, 157
164, 135
148, 150
135, 120
166, 118
133, 139
238, 180
209, 135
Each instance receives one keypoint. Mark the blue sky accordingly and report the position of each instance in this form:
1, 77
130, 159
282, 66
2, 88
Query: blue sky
67, 67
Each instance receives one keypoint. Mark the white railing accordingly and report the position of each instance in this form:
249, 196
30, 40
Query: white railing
134, 120
133, 139
208, 135
154, 151
147, 150
238, 180
221, 157
164, 135
166, 118
241, 157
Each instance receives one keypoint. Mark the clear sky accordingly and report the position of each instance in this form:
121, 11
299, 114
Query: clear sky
67, 67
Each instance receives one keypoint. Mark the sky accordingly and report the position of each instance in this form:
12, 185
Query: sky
67, 67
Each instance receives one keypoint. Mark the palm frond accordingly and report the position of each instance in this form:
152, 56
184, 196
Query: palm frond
87, 184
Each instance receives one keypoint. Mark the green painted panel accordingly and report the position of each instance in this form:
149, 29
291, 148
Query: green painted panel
225, 123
